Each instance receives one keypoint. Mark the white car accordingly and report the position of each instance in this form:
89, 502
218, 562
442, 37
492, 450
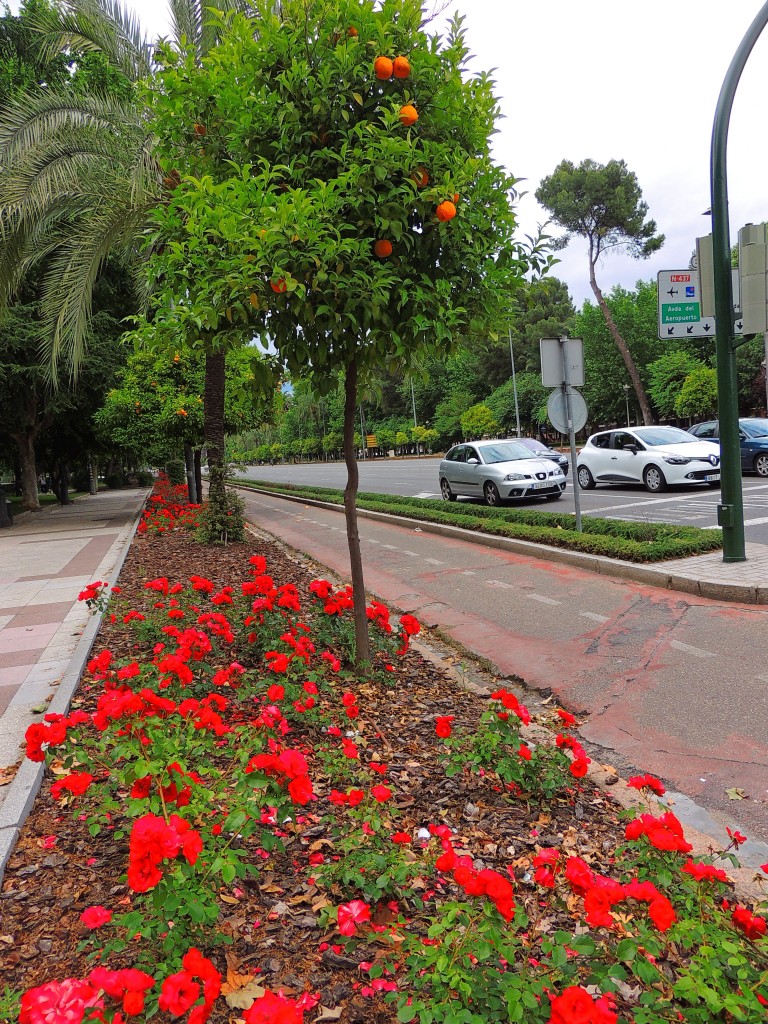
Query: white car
654, 456
498, 470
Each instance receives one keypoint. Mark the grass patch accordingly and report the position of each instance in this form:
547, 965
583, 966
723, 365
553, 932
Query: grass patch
612, 538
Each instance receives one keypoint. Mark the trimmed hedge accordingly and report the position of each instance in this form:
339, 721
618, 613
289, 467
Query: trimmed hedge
613, 538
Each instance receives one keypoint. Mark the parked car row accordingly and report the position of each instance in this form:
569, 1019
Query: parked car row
657, 457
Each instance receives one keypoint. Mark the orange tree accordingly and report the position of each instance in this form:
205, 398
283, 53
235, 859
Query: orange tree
339, 202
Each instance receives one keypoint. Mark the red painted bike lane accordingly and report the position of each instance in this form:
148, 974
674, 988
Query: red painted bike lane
672, 684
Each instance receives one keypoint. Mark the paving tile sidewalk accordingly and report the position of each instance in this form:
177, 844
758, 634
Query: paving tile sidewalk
46, 558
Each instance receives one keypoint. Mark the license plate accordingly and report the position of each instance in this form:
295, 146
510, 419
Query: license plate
538, 484
712, 478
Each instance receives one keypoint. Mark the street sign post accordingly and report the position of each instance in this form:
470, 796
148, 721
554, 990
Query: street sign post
563, 372
679, 306
552, 350
558, 413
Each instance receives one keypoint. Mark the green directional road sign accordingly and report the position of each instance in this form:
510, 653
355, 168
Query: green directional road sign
680, 306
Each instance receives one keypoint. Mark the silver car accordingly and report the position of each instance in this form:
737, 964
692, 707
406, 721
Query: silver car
497, 471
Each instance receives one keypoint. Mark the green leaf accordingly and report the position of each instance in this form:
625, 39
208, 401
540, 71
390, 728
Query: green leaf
626, 950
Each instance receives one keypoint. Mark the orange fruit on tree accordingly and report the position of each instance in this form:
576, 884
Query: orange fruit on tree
421, 177
352, 31
455, 197
383, 248
408, 115
401, 67
382, 68
278, 286
446, 211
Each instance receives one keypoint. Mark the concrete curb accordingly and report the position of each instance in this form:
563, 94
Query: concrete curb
25, 786
664, 578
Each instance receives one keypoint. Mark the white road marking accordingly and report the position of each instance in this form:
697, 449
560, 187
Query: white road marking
542, 599
595, 616
697, 652
756, 522
468, 572
667, 501
426, 494
413, 554
499, 583
389, 547
434, 561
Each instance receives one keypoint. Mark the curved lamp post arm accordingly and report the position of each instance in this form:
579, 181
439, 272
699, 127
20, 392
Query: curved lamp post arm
730, 512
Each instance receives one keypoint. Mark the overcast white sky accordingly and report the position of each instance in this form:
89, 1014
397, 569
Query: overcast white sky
637, 81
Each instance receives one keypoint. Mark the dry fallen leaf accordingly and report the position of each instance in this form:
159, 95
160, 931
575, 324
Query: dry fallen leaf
734, 793
244, 997
329, 1014
228, 899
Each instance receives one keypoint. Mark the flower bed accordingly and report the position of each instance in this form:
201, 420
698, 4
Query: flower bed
238, 827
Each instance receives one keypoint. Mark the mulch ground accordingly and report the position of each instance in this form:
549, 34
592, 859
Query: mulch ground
49, 882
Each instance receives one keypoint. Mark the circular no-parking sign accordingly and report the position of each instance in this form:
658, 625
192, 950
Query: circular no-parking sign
557, 412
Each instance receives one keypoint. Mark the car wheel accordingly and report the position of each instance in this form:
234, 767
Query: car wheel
654, 480
585, 478
761, 465
491, 494
445, 490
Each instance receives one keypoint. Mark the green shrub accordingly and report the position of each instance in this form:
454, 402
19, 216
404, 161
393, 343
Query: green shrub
611, 538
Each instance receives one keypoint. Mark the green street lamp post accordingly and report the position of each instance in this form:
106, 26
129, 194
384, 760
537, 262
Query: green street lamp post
730, 512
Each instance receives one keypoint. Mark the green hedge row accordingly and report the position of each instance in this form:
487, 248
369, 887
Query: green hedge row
614, 538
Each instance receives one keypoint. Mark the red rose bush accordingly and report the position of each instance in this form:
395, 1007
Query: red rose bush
231, 737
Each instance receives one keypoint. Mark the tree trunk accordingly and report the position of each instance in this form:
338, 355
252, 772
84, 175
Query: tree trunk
199, 475
626, 355
189, 463
6, 519
93, 476
25, 445
214, 428
362, 641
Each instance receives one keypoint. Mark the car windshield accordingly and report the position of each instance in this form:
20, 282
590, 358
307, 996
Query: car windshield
754, 428
532, 444
504, 451
664, 435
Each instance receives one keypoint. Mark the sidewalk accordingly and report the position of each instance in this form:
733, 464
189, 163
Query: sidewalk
46, 558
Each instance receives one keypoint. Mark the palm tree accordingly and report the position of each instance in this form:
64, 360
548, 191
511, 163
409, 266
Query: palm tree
78, 183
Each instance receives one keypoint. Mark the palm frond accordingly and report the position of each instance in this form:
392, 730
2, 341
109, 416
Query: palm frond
107, 26
72, 274
40, 114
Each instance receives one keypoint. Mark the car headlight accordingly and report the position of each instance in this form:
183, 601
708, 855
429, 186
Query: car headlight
514, 476
676, 460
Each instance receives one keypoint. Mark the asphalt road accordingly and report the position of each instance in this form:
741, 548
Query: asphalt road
693, 506
672, 684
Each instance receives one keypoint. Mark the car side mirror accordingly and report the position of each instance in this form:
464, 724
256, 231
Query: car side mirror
473, 462
631, 448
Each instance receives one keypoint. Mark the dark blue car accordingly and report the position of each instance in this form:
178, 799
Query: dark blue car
753, 439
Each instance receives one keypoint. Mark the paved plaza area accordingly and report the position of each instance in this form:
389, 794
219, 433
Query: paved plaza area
46, 558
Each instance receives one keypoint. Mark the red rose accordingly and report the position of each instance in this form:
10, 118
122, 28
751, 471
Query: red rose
95, 917
179, 992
